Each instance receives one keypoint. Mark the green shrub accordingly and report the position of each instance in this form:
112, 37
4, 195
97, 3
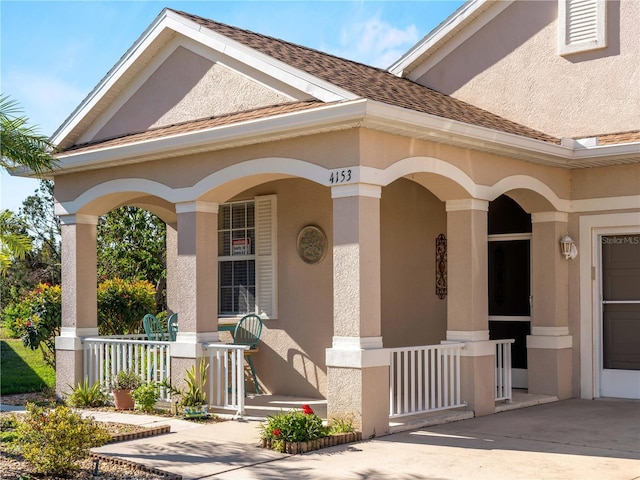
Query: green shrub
126, 380
122, 305
54, 440
85, 395
293, 426
146, 396
15, 317
37, 319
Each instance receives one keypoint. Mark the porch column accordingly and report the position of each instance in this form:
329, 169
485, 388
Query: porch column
196, 277
172, 267
549, 347
357, 365
79, 297
467, 301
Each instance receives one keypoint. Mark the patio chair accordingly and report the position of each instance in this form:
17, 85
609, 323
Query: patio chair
153, 328
172, 327
248, 332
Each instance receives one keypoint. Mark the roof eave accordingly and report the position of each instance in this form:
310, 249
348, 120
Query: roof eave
344, 115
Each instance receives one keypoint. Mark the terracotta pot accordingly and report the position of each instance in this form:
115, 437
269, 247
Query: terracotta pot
123, 399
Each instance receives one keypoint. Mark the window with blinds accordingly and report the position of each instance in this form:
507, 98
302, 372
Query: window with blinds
246, 257
581, 25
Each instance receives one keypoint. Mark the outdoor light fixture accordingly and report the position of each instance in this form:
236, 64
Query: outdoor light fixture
568, 247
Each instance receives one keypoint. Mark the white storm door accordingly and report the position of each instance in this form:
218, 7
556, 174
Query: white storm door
619, 339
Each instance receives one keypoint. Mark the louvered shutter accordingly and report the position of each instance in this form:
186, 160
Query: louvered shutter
582, 25
266, 258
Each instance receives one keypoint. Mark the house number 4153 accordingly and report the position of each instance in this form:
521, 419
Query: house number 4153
340, 176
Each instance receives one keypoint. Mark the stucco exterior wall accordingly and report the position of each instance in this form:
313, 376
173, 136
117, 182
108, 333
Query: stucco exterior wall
291, 359
330, 150
187, 87
511, 67
411, 219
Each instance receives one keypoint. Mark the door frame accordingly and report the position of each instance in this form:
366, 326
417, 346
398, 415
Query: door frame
520, 376
592, 228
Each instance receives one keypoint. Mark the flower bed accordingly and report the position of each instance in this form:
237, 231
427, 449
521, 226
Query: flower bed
298, 431
302, 447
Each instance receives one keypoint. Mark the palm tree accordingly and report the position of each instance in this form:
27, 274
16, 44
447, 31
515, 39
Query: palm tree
20, 146
12, 244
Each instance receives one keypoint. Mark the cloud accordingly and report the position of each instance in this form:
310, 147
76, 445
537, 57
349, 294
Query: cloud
46, 100
376, 42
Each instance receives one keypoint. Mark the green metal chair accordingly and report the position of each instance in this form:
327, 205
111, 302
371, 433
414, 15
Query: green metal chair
172, 327
248, 332
153, 328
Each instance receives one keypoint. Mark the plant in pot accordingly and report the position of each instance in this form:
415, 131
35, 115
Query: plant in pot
122, 387
192, 397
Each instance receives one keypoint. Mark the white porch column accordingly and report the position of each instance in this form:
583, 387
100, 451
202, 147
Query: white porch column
467, 300
549, 347
79, 297
357, 365
197, 284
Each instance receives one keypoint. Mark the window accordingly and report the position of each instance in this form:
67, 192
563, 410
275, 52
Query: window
246, 257
581, 26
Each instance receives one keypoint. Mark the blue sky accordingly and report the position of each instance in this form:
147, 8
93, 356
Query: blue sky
53, 53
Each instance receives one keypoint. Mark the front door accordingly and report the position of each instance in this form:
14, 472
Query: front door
619, 336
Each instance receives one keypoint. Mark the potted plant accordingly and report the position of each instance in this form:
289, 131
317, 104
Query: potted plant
192, 397
122, 385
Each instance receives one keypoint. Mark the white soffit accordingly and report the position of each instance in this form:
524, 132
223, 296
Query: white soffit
153, 39
446, 37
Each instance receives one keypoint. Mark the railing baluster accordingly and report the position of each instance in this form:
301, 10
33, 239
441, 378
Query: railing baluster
424, 378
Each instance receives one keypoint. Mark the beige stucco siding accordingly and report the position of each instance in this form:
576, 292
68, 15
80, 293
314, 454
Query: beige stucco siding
618, 180
329, 150
186, 87
411, 219
511, 67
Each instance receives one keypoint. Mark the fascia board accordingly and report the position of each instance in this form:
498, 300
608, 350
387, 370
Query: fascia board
305, 82
345, 114
476, 136
110, 79
454, 30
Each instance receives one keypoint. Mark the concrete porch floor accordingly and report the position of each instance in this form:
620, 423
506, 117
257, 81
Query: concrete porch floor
258, 407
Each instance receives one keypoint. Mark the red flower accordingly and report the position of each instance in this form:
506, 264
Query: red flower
277, 432
28, 323
307, 409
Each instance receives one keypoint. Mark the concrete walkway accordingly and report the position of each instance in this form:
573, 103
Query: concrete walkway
573, 439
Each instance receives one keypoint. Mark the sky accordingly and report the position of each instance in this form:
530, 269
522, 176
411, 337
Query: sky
53, 53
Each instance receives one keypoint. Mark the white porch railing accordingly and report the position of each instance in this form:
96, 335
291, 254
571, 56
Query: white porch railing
226, 376
503, 369
105, 356
424, 379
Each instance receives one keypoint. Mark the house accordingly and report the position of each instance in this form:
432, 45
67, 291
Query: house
360, 211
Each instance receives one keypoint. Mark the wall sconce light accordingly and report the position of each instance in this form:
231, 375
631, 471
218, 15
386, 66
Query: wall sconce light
568, 247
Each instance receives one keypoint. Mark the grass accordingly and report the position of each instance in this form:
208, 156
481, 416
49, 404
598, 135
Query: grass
22, 370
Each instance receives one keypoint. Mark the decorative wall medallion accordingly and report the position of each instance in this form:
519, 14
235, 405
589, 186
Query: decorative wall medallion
441, 266
312, 244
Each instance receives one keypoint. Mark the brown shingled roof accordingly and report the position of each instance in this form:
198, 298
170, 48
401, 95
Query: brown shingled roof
617, 138
197, 125
362, 80
369, 82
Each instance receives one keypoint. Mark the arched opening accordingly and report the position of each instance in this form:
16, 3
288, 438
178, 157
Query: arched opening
411, 218
509, 279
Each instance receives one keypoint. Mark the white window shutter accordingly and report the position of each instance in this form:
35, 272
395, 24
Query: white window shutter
581, 25
266, 256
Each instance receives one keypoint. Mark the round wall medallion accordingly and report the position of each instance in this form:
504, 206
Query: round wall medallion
312, 244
